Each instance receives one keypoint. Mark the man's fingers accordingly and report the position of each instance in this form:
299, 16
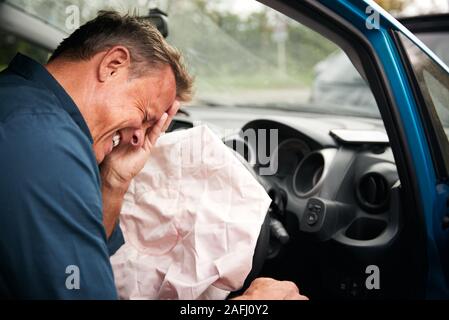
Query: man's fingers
172, 111
156, 130
162, 125
270, 289
295, 296
167, 123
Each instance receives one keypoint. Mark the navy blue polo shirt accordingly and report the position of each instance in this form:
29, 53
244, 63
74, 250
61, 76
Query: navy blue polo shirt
52, 241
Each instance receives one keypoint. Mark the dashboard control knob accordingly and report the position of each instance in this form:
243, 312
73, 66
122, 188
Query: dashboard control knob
312, 218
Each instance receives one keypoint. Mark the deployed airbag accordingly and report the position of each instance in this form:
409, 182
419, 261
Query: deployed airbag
190, 219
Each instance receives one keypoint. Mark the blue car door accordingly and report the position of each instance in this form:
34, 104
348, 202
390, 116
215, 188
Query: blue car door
417, 83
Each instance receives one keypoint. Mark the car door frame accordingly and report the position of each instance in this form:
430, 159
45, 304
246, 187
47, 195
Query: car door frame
439, 148
375, 54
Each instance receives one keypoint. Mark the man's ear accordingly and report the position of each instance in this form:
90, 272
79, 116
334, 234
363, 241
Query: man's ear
116, 60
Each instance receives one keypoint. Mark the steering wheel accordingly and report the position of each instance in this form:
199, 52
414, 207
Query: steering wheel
269, 228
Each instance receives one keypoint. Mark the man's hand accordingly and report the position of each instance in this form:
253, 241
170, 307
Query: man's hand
127, 160
123, 164
270, 289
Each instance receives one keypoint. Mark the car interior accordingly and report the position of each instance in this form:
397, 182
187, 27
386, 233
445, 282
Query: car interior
338, 196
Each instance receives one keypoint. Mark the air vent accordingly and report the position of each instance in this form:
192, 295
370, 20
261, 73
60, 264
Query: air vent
373, 192
309, 174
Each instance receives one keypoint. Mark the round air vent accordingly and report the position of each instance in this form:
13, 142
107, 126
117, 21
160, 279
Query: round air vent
373, 192
309, 174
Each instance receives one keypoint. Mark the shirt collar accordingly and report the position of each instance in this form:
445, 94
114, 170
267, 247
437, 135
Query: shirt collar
36, 72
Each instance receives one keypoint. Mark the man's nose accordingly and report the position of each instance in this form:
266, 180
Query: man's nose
134, 137
138, 138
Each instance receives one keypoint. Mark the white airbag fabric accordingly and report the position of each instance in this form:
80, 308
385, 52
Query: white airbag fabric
190, 219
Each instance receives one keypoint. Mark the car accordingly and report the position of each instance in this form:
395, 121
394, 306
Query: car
358, 177
345, 84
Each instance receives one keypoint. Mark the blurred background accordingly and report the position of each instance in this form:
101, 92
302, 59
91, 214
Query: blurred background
240, 51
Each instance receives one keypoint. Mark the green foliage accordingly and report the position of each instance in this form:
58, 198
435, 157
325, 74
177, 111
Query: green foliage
223, 49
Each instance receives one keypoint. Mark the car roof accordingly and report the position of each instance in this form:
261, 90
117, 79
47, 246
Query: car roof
426, 23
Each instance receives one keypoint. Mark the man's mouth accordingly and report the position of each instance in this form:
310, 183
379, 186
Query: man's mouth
116, 140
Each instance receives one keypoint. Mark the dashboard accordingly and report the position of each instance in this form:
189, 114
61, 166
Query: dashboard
336, 201
344, 192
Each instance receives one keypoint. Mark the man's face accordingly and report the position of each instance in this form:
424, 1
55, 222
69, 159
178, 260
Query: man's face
127, 107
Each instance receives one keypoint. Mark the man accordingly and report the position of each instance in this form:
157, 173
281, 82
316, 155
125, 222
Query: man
73, 134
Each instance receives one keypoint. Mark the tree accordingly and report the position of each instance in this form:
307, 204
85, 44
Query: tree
392, 5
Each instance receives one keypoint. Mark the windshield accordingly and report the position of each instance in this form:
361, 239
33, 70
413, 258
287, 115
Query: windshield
242, 54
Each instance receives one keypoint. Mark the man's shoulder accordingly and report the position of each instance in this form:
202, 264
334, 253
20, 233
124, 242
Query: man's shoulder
33, 123
50, 152
29, 129
36, 110
19, 95
52, 135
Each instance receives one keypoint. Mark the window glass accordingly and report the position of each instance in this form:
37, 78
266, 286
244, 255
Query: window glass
10, 45
243, 54
433, 81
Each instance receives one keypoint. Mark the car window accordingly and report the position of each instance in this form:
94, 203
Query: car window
438, 42
433, 81
242, 54
10, 45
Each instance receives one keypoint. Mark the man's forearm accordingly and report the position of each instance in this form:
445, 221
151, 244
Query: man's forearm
112, 204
